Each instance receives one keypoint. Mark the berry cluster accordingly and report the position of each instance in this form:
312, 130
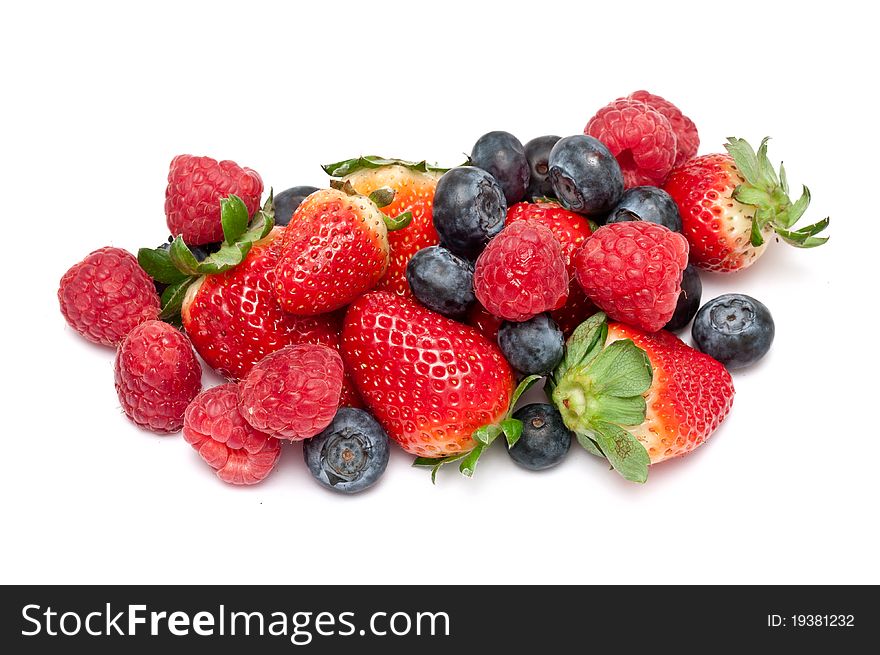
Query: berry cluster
415, 304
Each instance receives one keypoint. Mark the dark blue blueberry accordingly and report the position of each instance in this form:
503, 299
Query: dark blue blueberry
544, 440
533, 347
350, 454
586, 177
688, 299
735, 329
288, 200
441, 281
469, 209
538, 156
503, 155
647, 203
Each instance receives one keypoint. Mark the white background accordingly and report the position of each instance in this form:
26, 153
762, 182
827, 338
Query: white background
97, 99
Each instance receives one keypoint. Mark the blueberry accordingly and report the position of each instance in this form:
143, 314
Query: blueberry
538, 156
441, 281
735, 329
350, 454
688, 299
544, 440
503, 155
586, 177
469, 209
533, 347
647, 203
288, 200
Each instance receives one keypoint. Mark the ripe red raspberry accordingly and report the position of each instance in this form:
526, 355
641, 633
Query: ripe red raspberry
157, 375
294, 392
106, 295
633, 272
215, 428
640, 137
687, 139
521, 273
571, 230
195, 187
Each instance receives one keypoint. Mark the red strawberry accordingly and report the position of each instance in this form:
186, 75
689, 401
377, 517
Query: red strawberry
485, 323
571, 230
633, 272
334, 249
577, 309
157, 375
430, 381
690, 393
233, 316
234, 319
294, 392
215, 428
640, 137
687, 140
521, 273
413, 185
106, 295
730, 204
195, 187
638, 398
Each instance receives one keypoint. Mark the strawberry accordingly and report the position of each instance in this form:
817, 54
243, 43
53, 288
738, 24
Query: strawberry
438, 387
484, 322
229, 310
234, 319
638, 398
413, 185
571, 230
730, 204
334, 249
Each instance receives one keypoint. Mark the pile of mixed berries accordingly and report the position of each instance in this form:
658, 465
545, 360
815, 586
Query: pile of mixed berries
415, 304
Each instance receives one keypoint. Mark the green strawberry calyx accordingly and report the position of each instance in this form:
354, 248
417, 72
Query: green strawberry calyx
177, 266
767, 191
599, 389
349, 166
484, 436
381, 197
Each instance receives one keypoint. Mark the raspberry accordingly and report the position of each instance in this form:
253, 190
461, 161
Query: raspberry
195, 187
640, 137
215, 428
571, 230
294, 392
521, 273
106, 295
633, 272
157, 375
686, 137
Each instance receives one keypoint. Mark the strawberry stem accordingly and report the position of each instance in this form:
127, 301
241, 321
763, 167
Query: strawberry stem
767, 192
598, 389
